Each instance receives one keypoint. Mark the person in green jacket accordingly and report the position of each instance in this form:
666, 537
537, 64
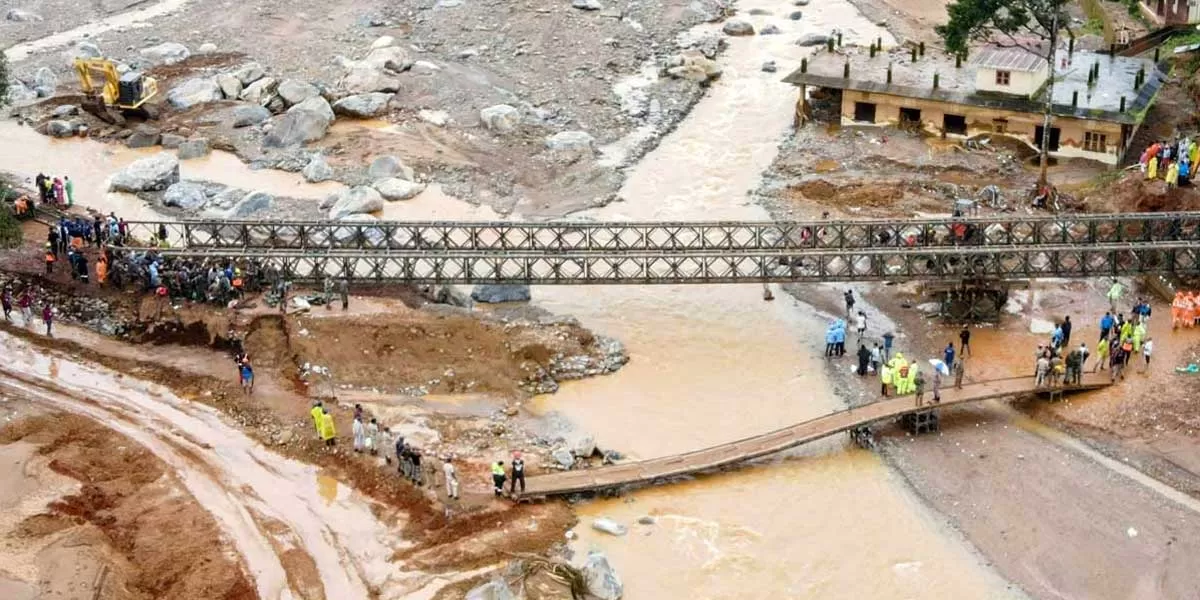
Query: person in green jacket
316, 412
70, 187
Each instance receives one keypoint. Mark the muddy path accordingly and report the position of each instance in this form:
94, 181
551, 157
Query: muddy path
297, 540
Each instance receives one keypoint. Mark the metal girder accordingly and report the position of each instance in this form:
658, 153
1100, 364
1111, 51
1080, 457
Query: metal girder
615, 238
748, 266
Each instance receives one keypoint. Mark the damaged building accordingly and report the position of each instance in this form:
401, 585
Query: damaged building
1099, 101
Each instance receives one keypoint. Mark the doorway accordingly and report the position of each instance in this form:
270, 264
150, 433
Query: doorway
864, 112
1055, 133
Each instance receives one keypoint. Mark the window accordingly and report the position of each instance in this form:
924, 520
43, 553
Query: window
1000, 125
1095, 142
1003, 77
864, 112
910, 116
954, 124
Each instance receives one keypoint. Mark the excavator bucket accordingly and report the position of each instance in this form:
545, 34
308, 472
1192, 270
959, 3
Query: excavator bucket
95, 106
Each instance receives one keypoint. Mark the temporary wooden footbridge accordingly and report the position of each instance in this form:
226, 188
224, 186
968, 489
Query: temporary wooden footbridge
663, 469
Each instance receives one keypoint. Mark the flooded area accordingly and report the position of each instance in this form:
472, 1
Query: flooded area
712, 364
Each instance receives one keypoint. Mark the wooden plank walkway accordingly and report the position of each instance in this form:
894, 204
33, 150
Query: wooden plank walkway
648, 471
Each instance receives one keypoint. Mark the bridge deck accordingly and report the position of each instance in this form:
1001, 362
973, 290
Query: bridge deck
647, 471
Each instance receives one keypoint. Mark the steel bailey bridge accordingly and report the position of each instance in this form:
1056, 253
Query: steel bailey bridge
947, 249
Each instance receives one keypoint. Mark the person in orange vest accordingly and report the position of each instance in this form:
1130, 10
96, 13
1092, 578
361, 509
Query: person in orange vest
101, 269
50, 258
1177, 310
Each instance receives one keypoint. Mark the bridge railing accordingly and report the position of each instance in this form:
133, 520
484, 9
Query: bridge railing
743, 266
610, 238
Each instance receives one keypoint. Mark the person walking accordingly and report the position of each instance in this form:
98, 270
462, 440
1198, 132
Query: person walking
1106, 325
518, 473
59, 194
247, 377
327, 289
316, 412
1042, 370
960, 367
1116, 364
50, 257
498, 478
40, 182
964, 338
860, 324
937, 386
48, 318
69, 187
1114, 294
918, 384
328, 429
344, 293
864, 359
1147, 350
372, 436
417, 475
360, 434
25, 303
451, 476
948, 355
6, 300
888, 338
1102, 350
400, 449
1066, 331
849, 297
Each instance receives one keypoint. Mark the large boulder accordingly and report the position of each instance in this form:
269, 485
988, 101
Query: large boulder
294, 91
60, 129
389, 166
394, 188
150, 174
249, 73
251, 203
317, 170
737, 27
144, 136
373, 236
45, 82
194, 148
496, 293
362, 106
693, 65
186, 195
587, 4
501, 118
246, 115
609, 526
87, 50
812, 39
602, 580
260, 91
231, 86
356, 200
193, 92
570, 146
17, 15
383, 42
168, 53
303, 123
496, 589
378, 72
207, 48
19, 94
171, 141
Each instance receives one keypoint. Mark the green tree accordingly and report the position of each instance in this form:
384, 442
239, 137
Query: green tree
1011, 24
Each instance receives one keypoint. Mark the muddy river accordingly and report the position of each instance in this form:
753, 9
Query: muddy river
710, 364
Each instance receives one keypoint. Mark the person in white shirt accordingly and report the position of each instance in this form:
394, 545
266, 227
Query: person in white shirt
451, 478
860, 323
1147, 350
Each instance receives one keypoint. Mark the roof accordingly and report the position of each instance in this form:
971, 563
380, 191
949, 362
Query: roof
1073, 96
1008, 60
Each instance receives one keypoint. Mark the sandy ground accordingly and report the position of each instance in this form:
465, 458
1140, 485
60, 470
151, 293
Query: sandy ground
91, 515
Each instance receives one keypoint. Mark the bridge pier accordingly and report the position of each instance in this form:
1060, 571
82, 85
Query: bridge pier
864, 437
925, 421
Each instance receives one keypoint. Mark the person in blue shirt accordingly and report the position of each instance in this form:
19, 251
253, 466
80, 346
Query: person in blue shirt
247, 375
1106, 325
888, 338
948, 356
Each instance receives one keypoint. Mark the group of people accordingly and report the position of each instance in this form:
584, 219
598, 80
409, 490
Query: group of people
1174, 162
26, 304
1185, 310
58, 191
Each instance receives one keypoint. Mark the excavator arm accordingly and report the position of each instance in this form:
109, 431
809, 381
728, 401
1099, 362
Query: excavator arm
98, 77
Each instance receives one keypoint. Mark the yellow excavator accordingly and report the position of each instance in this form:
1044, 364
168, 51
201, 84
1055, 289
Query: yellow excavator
110, 95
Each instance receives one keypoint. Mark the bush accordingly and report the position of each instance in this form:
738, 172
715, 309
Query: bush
10, 227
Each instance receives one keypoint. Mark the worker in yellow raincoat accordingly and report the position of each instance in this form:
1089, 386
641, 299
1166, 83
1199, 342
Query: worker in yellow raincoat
900, 374
328, 431
316, 413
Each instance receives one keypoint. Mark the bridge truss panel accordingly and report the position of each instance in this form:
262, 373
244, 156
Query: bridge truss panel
611, 238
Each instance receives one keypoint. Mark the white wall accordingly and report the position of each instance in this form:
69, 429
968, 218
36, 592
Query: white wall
1021, 83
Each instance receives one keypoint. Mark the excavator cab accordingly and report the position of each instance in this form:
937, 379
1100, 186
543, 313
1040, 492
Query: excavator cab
110, 95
